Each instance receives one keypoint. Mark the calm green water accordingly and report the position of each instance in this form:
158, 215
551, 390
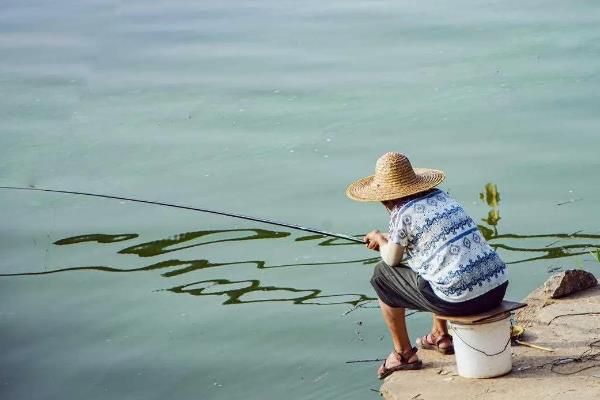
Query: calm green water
268, 108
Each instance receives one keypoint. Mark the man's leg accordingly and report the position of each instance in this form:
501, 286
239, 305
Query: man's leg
439, 327
394, 319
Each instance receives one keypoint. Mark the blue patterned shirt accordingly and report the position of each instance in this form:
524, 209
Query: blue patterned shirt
445, 246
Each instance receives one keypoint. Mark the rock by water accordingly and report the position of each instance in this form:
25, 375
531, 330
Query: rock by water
568, 282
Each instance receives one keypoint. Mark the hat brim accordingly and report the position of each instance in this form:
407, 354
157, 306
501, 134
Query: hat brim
365, 190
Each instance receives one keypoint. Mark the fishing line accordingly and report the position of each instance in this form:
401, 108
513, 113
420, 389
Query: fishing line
205, 210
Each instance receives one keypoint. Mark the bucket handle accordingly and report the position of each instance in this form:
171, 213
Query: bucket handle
481, 351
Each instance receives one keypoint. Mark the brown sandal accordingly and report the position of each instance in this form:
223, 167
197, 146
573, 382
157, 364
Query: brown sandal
404, 363
424, 343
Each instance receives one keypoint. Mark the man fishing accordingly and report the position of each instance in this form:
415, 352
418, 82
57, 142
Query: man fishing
433, 258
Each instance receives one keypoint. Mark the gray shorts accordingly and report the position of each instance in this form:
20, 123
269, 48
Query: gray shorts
402, 287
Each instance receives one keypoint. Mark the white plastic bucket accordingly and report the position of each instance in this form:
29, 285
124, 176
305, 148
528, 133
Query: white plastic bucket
483, 350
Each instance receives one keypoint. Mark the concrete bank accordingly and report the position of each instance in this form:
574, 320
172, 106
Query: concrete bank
548, 322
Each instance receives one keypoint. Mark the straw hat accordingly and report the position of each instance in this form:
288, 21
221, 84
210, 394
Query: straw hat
394, 178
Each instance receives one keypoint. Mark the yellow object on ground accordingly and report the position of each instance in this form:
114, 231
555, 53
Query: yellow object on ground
517, 331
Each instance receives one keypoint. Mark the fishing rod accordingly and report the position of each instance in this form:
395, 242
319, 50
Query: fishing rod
158, 203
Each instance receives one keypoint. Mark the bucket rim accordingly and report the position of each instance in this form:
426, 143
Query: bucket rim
495, 318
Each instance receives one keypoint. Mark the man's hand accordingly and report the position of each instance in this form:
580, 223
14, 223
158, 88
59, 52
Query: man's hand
374, 239
391, 253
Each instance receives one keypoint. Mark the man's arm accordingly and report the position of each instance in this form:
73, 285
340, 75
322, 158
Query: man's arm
391, 253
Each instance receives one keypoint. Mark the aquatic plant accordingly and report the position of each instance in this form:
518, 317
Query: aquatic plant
596, 254
491, 195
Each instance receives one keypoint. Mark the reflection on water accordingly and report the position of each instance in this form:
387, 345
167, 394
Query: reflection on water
163, 246
252, 291
556, 248
265, 293
98, 238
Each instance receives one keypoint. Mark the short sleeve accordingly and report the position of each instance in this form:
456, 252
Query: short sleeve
398, 230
